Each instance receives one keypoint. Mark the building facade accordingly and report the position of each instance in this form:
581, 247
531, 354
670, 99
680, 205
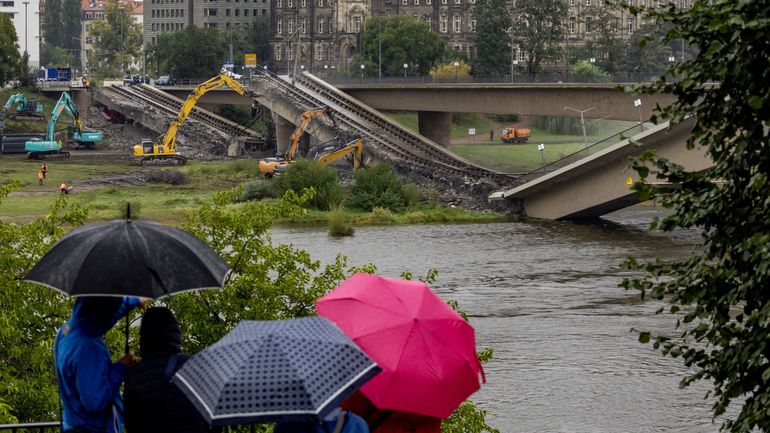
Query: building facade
161, 16
92, 10
26, 20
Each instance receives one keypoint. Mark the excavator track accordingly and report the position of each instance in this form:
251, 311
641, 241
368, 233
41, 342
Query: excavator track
164, 160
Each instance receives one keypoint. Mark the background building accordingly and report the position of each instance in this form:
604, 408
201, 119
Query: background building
26, 19
94, 10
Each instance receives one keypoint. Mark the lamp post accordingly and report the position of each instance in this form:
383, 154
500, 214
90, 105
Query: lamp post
26, 22
362, 72
456, 64
638, 105
379, 41
592, 60
405, 66
582, 122
515, 64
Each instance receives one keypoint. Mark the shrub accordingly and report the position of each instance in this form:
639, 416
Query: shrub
379, 186
171, 177
380, 216
257, 189
340, 223
415, 217
411, 194
311, 174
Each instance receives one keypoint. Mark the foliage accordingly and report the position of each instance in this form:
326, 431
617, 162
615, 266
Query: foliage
257, 189
340, 223
647, 50
305, 174
190, 53
117, 40
31, 314
563, 125
259, 39
239, 114
608, 44
61, 24
379, 186
493, 19
719, 295
24, 76
467, 419
54, 56
450, 71
538, 29
585, 71
404, 40
9, 50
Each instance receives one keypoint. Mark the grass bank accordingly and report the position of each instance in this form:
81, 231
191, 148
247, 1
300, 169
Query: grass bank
31, 125
168, 203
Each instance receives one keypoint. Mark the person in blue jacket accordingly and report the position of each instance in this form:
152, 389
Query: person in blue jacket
89, 382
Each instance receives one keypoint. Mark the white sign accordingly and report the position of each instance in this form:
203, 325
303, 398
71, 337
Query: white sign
541, 147
471, 131
638, 103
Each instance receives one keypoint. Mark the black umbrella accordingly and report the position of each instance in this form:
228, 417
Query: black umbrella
129, 258
269, 371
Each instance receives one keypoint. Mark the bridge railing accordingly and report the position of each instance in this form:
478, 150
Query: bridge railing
625, 77
580, 154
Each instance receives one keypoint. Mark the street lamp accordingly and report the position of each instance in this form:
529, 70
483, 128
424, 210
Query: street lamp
582, 122
638, 105
25, 25
456, 63
671, 59
405, 66
362, 71
592, 60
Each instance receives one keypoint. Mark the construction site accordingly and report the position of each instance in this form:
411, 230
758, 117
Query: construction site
142, 124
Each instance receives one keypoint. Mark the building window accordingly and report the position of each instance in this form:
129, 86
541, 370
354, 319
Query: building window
280, 3
238, 13
473, 25
245, 12
588, 2
290, 3
427, 2
443, 23
457, 2
320, 3
429, 22
404, 2
227, 12
572, 2
303, 3
7, 4
320, 25
304, 25
458, 24
630, 25
572, 24
291, 54
279, 27
278, 53
290, 26
357, 24
319, 52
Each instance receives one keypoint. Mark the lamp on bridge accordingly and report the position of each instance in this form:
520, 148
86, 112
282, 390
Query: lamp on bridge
592, 60
405, 66
456, 63
582, 122
638, 105
362, 71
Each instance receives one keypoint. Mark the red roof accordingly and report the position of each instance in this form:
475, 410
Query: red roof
136, 7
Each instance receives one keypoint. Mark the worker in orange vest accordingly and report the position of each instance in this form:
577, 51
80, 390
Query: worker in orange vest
40, 177
64, 189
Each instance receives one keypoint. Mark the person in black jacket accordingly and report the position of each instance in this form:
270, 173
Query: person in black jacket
152, 403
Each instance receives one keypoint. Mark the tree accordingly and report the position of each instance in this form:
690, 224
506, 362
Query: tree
538, 29
70, 26
52, 23
404, 41
588, 72
51, 55
9, 50
493, 19
608, 44
191, 53
719, 296
259, 39
647, 52
448, 71
117, 40
24, 76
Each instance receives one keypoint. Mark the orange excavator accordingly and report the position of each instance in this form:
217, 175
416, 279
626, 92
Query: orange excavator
268, 166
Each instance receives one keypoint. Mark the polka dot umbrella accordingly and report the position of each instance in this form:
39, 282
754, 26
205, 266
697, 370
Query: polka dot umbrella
269, 371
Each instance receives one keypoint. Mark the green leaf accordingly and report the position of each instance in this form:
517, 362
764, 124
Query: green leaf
644, 337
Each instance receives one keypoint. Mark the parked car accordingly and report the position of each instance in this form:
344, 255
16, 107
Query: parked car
165, 80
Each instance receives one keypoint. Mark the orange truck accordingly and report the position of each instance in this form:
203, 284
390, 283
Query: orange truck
515, 135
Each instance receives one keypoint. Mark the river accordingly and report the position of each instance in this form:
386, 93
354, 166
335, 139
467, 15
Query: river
545, 296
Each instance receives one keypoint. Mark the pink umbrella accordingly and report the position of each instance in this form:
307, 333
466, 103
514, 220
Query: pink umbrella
426, 350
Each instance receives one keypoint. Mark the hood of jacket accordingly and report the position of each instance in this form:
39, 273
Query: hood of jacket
95, 315
159, 335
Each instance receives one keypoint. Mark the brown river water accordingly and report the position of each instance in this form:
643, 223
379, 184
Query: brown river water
545, 296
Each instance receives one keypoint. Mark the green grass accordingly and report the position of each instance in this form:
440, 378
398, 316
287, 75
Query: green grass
461, 122
513, 158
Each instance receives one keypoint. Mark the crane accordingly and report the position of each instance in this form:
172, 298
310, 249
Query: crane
269, 165
165, 149
76, 134
26, 109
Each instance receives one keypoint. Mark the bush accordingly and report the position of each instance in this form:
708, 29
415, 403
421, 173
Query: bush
340, 223
257, 189
171, 177
380, 216
311, 174
379, 186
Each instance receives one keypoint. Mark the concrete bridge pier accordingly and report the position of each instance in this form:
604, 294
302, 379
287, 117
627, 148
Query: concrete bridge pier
283, 130
436, 126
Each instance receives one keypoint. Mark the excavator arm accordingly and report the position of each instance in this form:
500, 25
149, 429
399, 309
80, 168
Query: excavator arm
19, 97
356, 148
65, 102
307, 116
169, 138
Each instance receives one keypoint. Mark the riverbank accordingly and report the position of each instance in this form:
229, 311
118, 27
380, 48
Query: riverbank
106, 181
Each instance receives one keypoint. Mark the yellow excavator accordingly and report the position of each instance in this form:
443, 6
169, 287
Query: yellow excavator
268, 165
165, 150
